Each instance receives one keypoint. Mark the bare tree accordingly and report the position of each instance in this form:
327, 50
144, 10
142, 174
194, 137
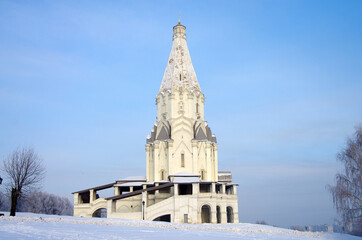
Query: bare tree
347, 194
43, 202
25, 171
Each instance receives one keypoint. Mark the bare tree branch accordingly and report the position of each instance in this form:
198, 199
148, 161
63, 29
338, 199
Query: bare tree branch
25, 171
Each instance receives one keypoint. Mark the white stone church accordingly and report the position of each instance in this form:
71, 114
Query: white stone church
182, 182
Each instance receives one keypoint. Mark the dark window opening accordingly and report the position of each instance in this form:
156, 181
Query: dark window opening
185, 189
124, 190
229, 190
218, 189
182, 160
84, 197
205, 188
136, 188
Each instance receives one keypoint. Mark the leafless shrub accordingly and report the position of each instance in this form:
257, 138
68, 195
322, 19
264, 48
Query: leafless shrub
262, 222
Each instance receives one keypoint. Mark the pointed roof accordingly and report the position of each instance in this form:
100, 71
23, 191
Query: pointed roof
179, 70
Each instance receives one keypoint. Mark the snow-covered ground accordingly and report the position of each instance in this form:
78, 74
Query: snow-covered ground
39, 226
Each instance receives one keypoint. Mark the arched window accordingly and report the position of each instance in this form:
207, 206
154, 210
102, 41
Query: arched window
182, 160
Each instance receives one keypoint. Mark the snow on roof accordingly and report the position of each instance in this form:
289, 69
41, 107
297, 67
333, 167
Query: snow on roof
185, 174
206, 181
162, 181
130, 184
133, 178
186, 179
224, 173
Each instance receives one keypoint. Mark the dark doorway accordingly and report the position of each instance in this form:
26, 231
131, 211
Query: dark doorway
205, 214
163, 218
100, 213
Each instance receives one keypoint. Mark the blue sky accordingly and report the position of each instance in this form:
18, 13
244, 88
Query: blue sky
282, 80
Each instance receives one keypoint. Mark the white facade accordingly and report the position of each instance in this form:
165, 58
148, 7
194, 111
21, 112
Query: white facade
180, 140
182, 181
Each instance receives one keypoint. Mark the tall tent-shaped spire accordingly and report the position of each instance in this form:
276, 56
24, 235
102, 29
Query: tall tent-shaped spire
179, 71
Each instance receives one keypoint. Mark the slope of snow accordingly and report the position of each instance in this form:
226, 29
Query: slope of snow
39, 226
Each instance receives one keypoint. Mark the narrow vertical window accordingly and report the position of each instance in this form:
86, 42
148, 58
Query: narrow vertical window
162, 174
202, 174
182, 160
180, 77
197, 108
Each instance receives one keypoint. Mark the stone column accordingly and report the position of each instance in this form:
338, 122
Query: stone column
111, 207
76, 198
169, 159
223, 213
144, 204
91, 195
195, 188
156, 162
215, 163
223, 189
116, 191
148, 164
208, 161
194, 157
213, 188
213, 213
175, 187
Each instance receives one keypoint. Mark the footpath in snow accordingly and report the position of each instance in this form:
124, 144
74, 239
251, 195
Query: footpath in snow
39, 226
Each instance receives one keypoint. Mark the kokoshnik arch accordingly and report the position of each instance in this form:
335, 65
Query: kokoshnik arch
182, 182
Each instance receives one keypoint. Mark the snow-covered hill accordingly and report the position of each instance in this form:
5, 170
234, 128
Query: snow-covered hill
38, 226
